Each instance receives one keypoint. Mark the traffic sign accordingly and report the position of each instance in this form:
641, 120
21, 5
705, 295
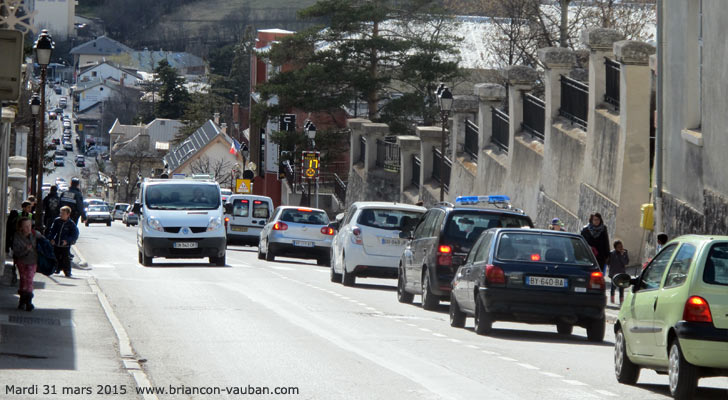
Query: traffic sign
310, 164
310, 173
243, 186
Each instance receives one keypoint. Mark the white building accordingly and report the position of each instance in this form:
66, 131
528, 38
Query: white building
92, 92
55, 15
105, 70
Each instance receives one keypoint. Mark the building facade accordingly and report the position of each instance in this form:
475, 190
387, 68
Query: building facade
55, 15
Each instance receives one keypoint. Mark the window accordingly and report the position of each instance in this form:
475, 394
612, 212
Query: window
678, 272
716, 265
421, 229
484, 248
548, 248
93, 73
260, 209
240, 208
304, 216
652, 275
466, 227
182, 196
388, 219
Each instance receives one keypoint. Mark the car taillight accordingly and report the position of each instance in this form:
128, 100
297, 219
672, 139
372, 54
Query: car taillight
280, 226
131, 213
535, 257
356, 236
227, 219
697, 310
596, 281
444, 255
327, 230
494, 275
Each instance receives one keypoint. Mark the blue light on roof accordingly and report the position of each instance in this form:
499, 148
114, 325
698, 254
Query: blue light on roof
494, 199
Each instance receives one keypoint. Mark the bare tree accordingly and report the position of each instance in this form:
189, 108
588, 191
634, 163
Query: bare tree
130, 166
219, 169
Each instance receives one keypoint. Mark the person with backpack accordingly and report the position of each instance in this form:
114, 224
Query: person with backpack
73, 199
51, 207
63, 234
25, 256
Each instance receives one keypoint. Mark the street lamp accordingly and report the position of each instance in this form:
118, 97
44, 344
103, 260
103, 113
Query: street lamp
444, 98
34, 109
43, 47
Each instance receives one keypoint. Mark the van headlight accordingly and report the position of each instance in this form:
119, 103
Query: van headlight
154, 224
214, 224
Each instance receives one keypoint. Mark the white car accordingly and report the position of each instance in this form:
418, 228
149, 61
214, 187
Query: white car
98, 214
368, 243
297, 232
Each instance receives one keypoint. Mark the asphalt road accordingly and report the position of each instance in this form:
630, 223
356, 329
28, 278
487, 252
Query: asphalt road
284, 324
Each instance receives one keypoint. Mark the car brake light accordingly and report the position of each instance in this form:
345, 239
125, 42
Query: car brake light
535, 257
305, 209
227, 219
596, 281
131, 213
257, 202
280, 226
494, 275
445, 249
356, 236
326, 230
444, 255
697, 310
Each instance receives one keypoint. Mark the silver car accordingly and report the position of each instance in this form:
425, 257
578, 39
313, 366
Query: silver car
119, 209
297, 232
98, 214
129, 217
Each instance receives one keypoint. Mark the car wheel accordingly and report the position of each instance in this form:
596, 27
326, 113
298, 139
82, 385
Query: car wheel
483, 319
429, 300
108, 223
219, 261
269, 254
347, 279
147, 261
625, 370
333, 275
457, 317
86, 223
564, 329
261, 256
403, 296
323, 260
683, 375
141, 260
595, 330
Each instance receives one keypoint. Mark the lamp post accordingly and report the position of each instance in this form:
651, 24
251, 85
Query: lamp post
445, 100
311, 132
43, 47
31, 154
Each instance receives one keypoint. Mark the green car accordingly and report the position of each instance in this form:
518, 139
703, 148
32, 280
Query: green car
675, 318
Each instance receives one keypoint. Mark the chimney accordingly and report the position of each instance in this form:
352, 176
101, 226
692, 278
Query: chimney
223, 128
216, 118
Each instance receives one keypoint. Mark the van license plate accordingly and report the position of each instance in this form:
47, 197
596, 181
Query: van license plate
185, 245
302, 243
236, 228
546, 281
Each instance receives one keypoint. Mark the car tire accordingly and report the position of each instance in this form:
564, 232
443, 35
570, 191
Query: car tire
261, 256
625, 370
218, 261
483, 319
683, 375
457, 317
595, 330
323, 261
86, 223
127, 224
147, 261
564, 329
347, 279
429, 300
108, 223
269, 254
141, 259
403, 296
332, 274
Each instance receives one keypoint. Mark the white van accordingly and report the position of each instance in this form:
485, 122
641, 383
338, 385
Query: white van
180, 218
245, 216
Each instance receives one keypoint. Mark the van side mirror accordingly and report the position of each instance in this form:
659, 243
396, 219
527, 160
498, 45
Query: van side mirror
228, 208
623, 280
136, 208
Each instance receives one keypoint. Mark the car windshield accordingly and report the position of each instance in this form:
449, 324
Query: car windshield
466, 227
716, 265
538, 247
392, 220
183, 197
304, 216
98, 209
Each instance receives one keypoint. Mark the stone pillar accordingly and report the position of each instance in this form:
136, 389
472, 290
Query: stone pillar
634, 122
463, 107
430, 137
373, 131
355, 132
520, 80
21, 141
600, 43
489, 95
409, 146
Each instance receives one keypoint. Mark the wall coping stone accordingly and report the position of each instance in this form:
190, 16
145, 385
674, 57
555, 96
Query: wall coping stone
601, 39
356, 123
520, 75
489, 91
557, 57
464, 103
375, 128
633, 52
580, 74
408, 143
430, 133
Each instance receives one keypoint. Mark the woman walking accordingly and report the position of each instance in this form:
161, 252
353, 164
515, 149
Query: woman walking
595, 234
25, 256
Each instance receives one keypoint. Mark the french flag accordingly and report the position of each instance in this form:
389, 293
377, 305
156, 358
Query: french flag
235, 147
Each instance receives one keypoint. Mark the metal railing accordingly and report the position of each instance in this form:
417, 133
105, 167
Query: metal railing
388, 154
574, 101
339, 189
500, 133
436, 163
471, 139
612, 71
534, 115
362, 149
416, 167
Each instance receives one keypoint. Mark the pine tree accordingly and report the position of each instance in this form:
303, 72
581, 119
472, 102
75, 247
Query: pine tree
173, 96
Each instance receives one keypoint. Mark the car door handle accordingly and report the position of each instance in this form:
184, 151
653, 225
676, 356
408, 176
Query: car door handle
654, 306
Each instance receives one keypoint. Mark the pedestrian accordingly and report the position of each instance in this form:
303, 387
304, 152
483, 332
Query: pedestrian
556, 225
33, 203
661, 241
618, 261
25, 257
596, 235
26, 210
63, 234
73, 199
51, 207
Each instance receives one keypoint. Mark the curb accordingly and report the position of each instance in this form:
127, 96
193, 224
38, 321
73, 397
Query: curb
82, 263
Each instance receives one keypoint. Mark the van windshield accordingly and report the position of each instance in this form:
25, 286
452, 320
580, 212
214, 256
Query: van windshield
182, 197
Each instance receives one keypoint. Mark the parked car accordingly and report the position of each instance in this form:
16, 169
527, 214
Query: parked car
56, 141
245, 216
296, 232
675, 318
68, 146
80, 162
129, 217
225, 193
367, 243
59, 161
52, 115
60, 152
58, 90
63, 102
531, 276
66, 124
441, 241
98, 214
118, 211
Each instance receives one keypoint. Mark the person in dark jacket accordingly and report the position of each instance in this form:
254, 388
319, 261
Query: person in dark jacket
596, 235
51, 207
25, 257
63, 234
73, 199
618, 261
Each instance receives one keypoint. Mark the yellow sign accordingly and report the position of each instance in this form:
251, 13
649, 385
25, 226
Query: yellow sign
243, 186
310, 173
310, 163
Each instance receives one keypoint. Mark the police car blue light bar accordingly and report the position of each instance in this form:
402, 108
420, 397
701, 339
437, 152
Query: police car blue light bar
493, 199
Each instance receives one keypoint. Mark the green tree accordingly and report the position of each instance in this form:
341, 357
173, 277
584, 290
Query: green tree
173, 96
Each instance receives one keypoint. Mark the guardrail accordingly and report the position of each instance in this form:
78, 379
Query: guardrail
471, 139
500, 133
574, 101
436, 163
534, 115
612, 71
388, 154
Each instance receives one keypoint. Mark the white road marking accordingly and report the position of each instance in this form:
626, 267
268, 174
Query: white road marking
550, 374
573, 382
94, 266
605, 393
371, 308
412, 325
454, 340
507, 358
492, 353
282, 268
472, 346
438, 335
425, 330
527, 366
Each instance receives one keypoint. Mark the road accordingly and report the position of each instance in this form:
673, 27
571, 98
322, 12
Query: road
284, 324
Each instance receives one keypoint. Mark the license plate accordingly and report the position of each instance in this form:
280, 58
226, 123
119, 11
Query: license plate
546, 281
236, 228
185, 245
392, 242
302, 243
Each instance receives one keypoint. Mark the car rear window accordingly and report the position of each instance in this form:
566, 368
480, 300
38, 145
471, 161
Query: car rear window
534, 247
388, 219
467, 227
241, 207
260, 209
304, 216
98, 208
716, 265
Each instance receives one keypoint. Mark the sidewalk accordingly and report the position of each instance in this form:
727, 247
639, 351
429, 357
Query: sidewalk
66, 344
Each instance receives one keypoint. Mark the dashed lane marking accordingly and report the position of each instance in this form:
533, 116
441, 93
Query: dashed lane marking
507, 358
527, 366
573, 382
492, 353
425, 330
550, 374
605, 393
454, 340
438, 334
472, 346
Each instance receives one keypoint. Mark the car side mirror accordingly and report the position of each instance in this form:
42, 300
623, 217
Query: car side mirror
335, 225
228, 208
623, 280
137, 208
